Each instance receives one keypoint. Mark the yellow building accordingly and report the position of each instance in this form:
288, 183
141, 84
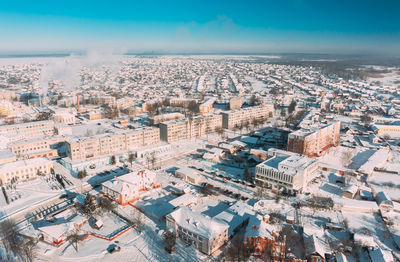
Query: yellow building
23, 170
176, 130
104, 144
6, 108
236, 117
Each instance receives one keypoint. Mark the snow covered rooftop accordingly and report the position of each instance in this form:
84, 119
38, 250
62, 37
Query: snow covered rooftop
257, 227
198, 223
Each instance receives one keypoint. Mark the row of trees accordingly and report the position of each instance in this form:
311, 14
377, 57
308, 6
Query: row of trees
248, 124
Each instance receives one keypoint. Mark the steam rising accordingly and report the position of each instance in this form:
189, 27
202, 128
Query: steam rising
67, 70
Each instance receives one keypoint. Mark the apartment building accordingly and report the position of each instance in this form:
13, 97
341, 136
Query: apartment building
172, 131
312, 142
102, 100
233, 118
30, 129
286, 170
35, 147
205, 233
23, 170
182, 102
206, 106
390, 129
82, 148
6, 108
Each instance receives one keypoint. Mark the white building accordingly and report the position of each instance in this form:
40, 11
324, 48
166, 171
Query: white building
286, 170
205, 233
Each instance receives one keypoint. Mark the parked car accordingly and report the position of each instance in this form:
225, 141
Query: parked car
113, 248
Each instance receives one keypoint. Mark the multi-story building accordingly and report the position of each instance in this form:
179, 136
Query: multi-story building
30, 129
82, 148
233, 118
312, 142
177, 130
205, 233
207, 106
182, 102
102, 100
235, 103
390, 129
23, 170
286, 170
35, 147
6, 108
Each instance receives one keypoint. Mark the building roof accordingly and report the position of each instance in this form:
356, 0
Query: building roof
257, 227
134, 179
236, 215
7, 153
198, 223
189, 172
22, 163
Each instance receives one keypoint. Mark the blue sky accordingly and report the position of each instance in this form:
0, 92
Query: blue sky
317, 26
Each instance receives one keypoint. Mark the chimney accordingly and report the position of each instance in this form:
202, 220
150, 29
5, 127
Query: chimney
77, 99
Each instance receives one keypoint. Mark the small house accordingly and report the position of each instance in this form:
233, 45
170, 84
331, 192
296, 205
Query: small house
350, 191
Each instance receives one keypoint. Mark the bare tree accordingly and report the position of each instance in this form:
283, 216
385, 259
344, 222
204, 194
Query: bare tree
74, 238
192, 107
113, 160
153, 158
21, 246
10, 236
292, 107
106, 204
137, 219
169, 241
131, 158
247, 174
366, 119
346, 157
220, 131
237, 250
28, 249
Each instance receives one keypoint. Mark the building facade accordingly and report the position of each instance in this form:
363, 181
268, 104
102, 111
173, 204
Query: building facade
387, 129
30, 129
314, 142
173, 131
234, 118
23, 170
82, 148
286, 170
205, 233
206, 106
